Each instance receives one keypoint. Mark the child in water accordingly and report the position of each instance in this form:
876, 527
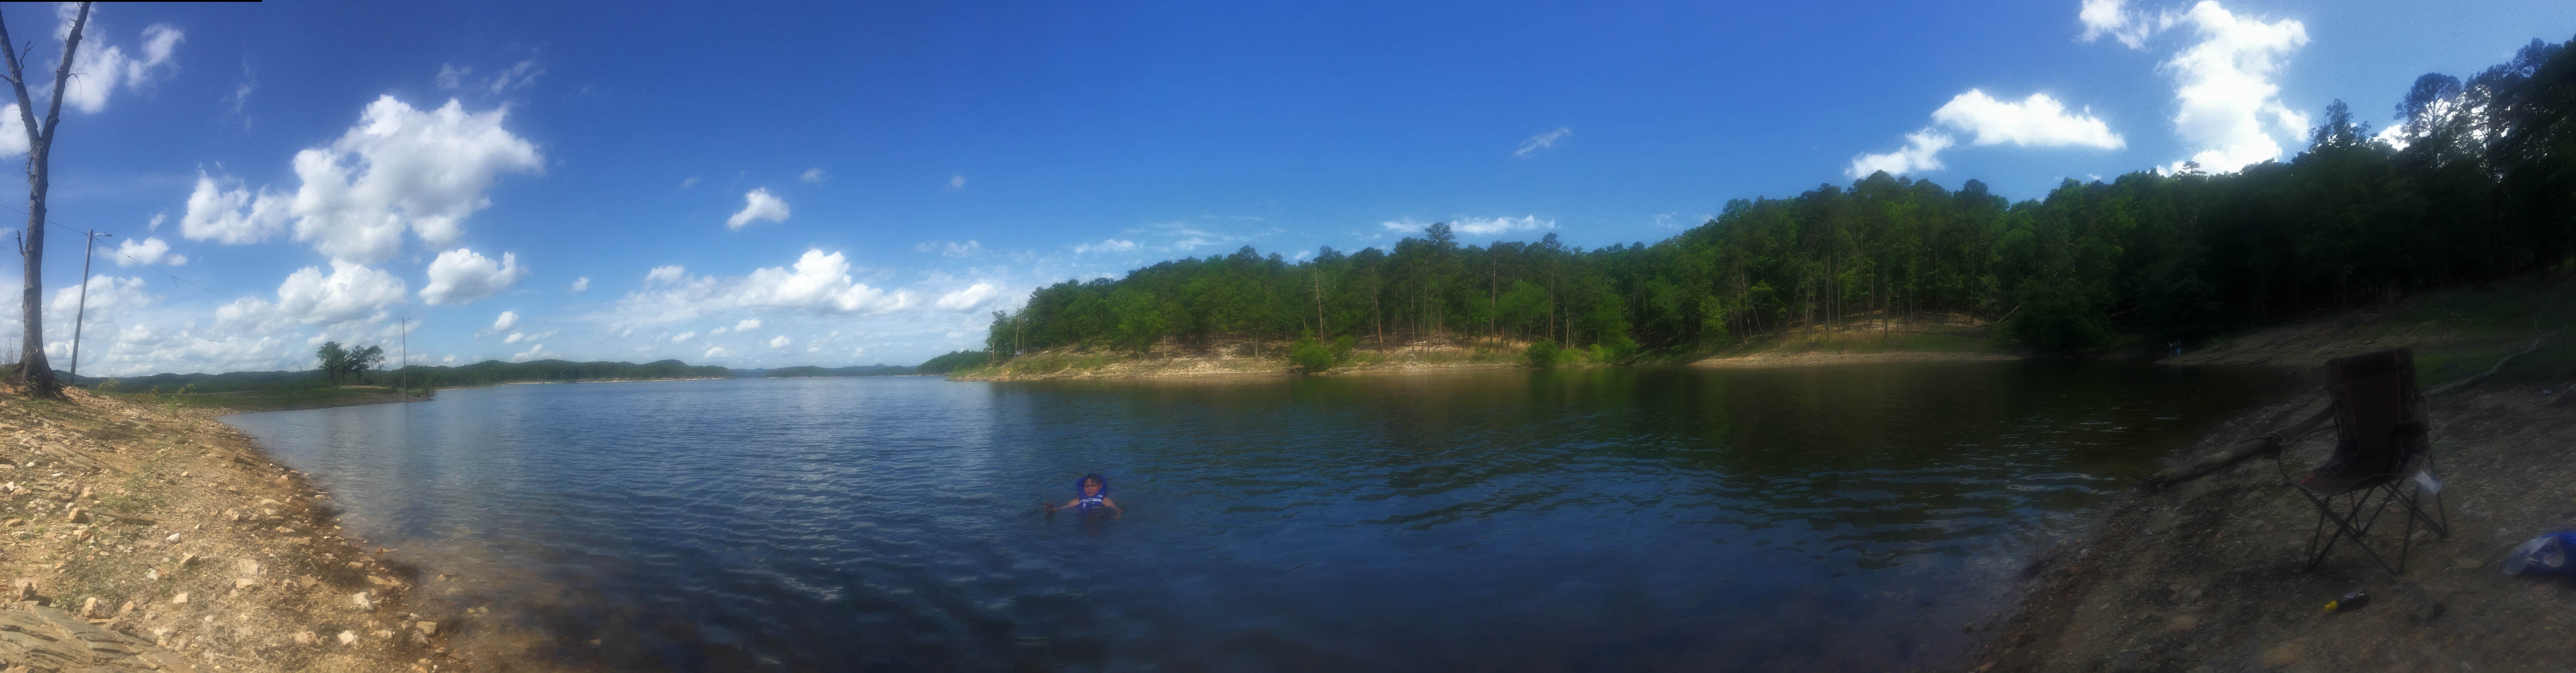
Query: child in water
1091, 496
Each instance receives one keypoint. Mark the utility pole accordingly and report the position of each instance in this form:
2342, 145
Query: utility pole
404, 374
83, 311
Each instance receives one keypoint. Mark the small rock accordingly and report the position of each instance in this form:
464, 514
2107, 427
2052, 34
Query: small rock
245, 583
152, 574
89, 608
79, 515
348, 637
308, 581
430, 628
183, 473
188, 560
126, 610
181, 599
24, 589
173, 539
364, 601
2182, 623
306, 638
247, 568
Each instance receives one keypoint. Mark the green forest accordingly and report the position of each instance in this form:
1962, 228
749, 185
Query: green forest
2476, 184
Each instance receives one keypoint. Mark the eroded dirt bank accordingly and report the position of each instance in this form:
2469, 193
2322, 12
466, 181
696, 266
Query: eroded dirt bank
2205, 575
155, 538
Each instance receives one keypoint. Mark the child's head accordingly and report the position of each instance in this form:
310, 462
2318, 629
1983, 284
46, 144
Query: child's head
1092, 484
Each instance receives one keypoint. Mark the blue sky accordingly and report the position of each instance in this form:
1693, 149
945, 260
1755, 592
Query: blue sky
840, 184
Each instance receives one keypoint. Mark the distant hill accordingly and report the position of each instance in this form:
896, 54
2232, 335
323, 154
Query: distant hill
813, 371
494, 372
488, 372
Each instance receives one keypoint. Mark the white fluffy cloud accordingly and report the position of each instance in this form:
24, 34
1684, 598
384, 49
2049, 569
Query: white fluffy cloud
503, 323
100, 66
351, 292
2113, 18
580, 284
1922, 152
757, 205
1484, 226
957, 181
1541, 142
814, 174
780, 342
462, 275
2231, 107
747, 325
967, 299
400, 168
818, 283
150, 250
1477, 226
232, 215
2037, 121
534, 352
1111, 245
714, 352
683, 337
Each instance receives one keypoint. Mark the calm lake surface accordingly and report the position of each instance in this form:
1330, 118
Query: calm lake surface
1838, 517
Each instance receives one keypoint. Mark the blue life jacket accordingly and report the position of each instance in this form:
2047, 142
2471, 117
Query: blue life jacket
1087, 502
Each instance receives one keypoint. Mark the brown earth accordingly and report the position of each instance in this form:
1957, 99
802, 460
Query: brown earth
1806, 358
1235, 358
2206, 575
154, 538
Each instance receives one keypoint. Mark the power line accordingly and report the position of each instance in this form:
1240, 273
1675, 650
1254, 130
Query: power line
405, 329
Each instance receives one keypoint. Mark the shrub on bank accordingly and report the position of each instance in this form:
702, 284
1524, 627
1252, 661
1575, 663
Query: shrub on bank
1544, 354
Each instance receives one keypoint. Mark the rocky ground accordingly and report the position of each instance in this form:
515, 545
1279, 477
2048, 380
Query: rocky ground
2206, 575
153, 538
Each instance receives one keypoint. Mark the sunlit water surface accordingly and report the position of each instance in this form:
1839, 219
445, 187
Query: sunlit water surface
1844, 517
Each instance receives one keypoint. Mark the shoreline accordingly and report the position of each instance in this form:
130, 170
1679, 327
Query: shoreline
1814, 358
139, 525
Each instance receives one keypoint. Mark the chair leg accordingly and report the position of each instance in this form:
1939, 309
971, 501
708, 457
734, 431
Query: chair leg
2344, 527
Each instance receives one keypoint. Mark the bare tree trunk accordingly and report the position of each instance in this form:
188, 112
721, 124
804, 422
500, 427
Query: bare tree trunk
33, 370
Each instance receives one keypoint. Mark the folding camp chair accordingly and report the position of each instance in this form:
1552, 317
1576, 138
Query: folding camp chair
2381, 450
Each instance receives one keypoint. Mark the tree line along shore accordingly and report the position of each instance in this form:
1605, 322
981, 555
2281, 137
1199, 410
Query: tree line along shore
2467, 187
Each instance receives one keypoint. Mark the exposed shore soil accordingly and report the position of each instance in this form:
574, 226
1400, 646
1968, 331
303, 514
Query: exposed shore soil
2207, 575
1236, 358
1868, 340
1807, 358
145, 537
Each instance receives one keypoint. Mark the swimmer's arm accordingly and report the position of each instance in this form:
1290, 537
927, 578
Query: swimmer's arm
1114, 511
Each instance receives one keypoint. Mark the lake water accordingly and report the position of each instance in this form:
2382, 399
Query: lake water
1825, 518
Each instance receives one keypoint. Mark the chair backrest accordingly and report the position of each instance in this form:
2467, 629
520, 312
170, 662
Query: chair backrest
2372, 393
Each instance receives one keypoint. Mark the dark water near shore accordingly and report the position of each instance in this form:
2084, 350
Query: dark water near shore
1843, 517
